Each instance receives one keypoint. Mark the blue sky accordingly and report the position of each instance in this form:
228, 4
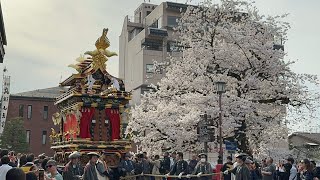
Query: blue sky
44, 36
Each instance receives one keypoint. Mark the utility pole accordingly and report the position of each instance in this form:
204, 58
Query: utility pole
220, 128
205, 142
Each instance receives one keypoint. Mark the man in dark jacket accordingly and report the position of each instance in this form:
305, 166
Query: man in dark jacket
241, 172
180, 167
193, 163
73, 169
126, 166
141, 167
227, 166
165, 164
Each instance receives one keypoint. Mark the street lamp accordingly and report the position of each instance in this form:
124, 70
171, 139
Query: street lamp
221, 86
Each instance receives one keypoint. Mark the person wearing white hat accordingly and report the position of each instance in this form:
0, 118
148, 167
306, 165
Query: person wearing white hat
73, 169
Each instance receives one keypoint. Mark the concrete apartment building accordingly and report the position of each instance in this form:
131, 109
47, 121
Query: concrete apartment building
36, 109
145, 38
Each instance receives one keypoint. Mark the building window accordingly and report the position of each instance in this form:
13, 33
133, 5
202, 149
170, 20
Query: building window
154, 24
172, 21
21, 108
45, 112
44, 137
29, 113
148, 12
149, 68
28, 132
173, 47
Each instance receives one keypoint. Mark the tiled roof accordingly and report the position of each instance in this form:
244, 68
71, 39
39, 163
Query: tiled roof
309, 136
52, 92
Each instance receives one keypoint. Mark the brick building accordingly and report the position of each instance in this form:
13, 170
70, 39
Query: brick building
36, 108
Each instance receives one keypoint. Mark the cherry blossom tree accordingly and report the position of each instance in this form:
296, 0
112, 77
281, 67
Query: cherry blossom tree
228, 42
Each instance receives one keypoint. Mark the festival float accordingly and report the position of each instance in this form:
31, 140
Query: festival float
91, 110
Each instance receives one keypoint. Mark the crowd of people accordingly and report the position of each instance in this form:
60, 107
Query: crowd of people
27, 166
141, 167
245, 167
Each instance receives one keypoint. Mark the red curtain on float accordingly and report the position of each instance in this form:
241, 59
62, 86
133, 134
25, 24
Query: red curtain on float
70, 126
85, 121
114, 117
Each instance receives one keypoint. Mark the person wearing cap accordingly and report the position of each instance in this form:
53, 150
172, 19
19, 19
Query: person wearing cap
227, 166
94, 169
241, 172
203, 167
73, 169
53, 172
268, 171
126, 166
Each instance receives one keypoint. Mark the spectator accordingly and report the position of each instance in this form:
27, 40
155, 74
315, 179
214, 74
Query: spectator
35, 170
44, 163
73, 168
305, 170
250, 164
31, 176
227, 166
165, 164
173, 159
141, 166
13, 159
257, 170
15, 174
126, 166
241, 171
94, 169
203, 167
193, 163
283, 170
293, 170
180, 167
315, 170
4, 168
269, 171
26, 168
22, 161
156, 167
52, 169
4, 152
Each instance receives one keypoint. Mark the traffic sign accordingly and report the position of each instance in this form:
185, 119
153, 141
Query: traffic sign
231, 146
